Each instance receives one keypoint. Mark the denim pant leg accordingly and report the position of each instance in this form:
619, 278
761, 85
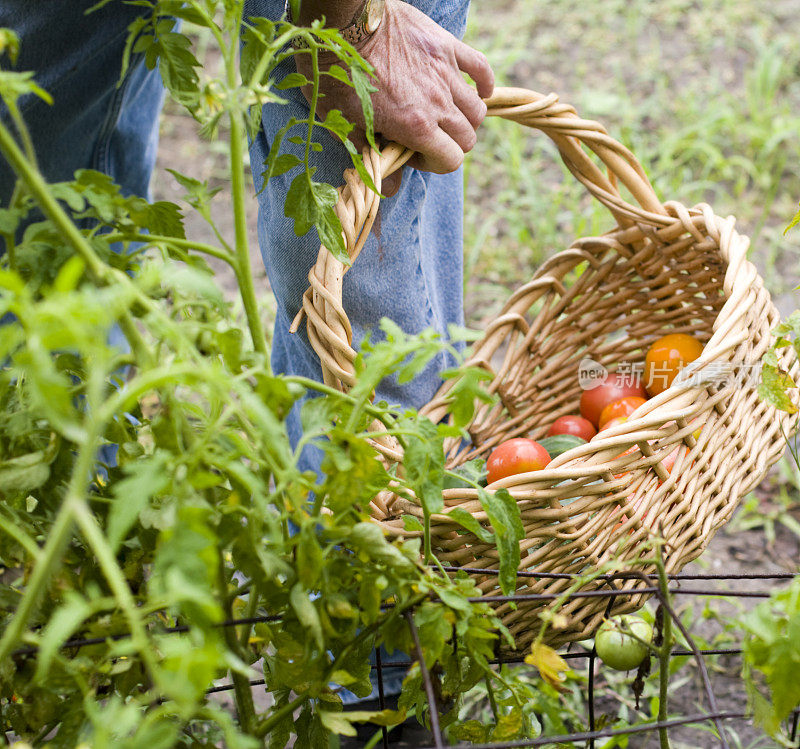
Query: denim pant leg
410, 270
92, 123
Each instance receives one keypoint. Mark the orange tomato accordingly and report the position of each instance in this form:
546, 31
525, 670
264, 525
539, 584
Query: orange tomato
666, 357
622, 407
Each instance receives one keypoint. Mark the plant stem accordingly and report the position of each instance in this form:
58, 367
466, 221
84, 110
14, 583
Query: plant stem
22, 538
244, 276
664, 651
492, 700
187, 244
278, 715
312, 111
49, 560
426, 517
243, 695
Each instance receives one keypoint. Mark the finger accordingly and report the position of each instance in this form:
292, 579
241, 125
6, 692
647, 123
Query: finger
477, 67
458, 127
467, 100
439, 153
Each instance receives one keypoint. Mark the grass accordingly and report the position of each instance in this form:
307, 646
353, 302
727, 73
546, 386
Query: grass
705, 93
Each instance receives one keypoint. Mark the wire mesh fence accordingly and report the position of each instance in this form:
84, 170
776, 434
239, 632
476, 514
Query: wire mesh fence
704, 585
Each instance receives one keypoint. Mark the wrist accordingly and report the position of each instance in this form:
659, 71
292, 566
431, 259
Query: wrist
357, 21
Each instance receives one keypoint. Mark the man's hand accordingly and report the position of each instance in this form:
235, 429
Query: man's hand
423, 101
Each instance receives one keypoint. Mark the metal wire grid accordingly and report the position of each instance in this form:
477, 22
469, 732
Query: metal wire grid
713, 714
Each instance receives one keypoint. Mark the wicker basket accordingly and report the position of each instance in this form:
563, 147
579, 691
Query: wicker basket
664, 267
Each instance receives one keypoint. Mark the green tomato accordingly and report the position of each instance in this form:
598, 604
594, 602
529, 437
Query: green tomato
617, 648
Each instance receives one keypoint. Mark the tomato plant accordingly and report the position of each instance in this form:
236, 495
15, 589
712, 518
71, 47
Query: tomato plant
616, 387
206, 515
574, 425
518, 455
666, 357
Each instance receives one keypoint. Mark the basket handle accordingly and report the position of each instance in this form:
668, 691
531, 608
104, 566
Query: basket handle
329, 329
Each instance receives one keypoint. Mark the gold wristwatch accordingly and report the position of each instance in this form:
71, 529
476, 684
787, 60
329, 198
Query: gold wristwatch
364, 24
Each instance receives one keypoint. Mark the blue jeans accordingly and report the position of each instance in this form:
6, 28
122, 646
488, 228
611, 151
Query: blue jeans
411, 274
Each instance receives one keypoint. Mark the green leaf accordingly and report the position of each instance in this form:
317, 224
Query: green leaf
464, 519
473, 471
144, 479
312, 203
171, 53
471, 730
336, 123
342, 723
63, 622
23, 474
281, 165
358, 163
773, 388
339, 73
309, 557
14, 85
198, 194
772, 647
467, 391
504, 516
509, 726
307, 613
424, 464
9, 45
410, 523
161, 217
293, 80
364, 89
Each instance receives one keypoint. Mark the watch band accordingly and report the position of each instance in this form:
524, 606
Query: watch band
364, 24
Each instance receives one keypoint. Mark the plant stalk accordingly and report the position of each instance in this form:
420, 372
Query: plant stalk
664, 652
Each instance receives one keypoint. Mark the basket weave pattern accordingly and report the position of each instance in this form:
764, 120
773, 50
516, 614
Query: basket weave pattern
663, 268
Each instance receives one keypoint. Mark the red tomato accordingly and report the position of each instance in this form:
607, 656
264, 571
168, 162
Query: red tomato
666, 357
518, 455
623, 407
574, 425
616, 387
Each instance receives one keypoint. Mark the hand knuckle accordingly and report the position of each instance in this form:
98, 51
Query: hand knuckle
470, 140
418, 121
